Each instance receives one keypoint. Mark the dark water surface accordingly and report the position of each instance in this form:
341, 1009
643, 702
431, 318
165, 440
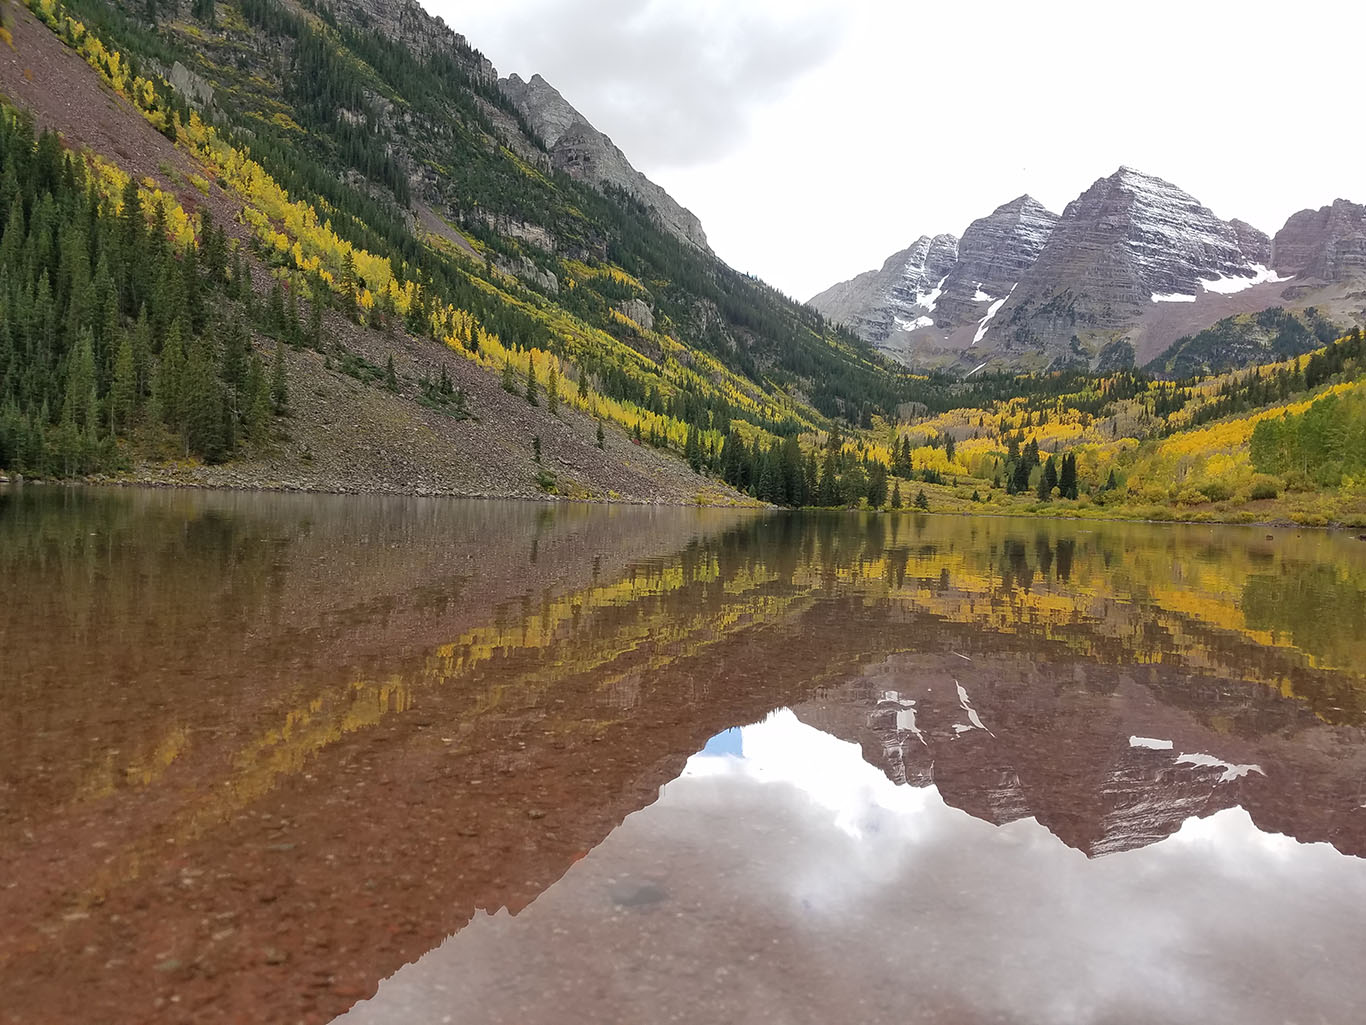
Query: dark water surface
280, 759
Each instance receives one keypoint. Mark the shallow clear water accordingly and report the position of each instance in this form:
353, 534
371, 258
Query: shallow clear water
279, 758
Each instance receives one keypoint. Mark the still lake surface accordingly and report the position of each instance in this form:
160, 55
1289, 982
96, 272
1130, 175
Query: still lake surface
289, 758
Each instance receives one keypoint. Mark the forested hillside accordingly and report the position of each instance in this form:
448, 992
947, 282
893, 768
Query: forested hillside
111, 329
382, 196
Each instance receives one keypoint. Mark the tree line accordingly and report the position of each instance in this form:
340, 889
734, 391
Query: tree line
115, 339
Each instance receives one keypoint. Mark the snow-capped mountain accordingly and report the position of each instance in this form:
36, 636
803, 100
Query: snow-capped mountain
900, 297
1131, 266
995, 253
1131, 241
1132, 236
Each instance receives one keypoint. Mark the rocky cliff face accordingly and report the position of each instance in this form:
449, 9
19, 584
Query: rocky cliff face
1134, 263
406, 22
900, 297
995, 253
583, 152
1328, 244
1128, 241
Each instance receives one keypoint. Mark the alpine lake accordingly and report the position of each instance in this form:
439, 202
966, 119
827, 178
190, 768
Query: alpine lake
281, 758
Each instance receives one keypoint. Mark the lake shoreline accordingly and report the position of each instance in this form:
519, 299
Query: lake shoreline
1077, 515
380, 491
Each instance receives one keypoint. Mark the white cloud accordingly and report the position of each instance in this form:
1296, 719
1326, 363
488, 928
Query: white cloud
796, 883
813, 139
674, 85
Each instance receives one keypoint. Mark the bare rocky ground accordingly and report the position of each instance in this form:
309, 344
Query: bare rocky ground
344, 436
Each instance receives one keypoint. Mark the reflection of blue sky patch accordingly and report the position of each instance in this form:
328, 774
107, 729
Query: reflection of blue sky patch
730, 742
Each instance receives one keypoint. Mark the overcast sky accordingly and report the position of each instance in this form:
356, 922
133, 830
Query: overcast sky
816, 137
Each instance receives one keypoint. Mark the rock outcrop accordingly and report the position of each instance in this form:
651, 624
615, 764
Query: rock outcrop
995, 253
406, 22
1128, 241
583, 152
1328, 244
901, 296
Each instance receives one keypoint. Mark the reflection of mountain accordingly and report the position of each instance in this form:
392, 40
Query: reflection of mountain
783, 879
1107, 758
265, 751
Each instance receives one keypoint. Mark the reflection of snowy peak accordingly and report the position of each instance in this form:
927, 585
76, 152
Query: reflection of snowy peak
1004, 744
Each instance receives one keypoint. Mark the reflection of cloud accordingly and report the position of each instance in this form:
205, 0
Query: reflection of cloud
810, 888
830, 772
674, 84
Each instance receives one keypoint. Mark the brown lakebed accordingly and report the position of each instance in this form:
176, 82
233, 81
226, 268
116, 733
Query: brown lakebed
286, 758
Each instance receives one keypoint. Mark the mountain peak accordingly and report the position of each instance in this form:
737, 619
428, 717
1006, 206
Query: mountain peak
579, 149
1328, 244
902, 296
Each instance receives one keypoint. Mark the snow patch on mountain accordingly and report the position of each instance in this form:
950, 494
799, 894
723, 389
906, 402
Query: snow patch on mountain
1257, 274
1173, 297
985, 322
913, 325
927, 300
1231, 772
1150, 744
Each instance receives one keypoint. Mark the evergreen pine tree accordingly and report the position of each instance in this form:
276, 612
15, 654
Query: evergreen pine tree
1048, 480
1067, 480
692, 449
279, 383
602, 437
236, 348
877, 486
854, 485
170, 379
258, 404
509, 377
123, 394
552, 390
829, 490
203, 399
390, 375
79, 400
531, 388
896, 495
